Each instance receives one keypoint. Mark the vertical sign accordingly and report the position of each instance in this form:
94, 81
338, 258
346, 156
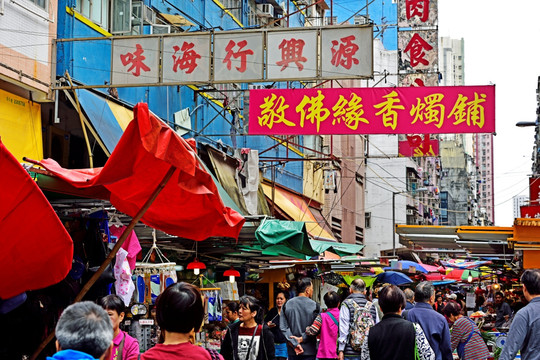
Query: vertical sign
186, 59
238, 56
135, 61
291, 55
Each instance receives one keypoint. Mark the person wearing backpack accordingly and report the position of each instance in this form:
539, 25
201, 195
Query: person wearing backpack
326, 324
356, 316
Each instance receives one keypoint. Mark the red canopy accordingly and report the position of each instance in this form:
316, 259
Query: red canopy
36, 250
189, 206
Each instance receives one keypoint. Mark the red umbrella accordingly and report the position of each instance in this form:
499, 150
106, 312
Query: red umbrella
154, 176
36, 250
189, 205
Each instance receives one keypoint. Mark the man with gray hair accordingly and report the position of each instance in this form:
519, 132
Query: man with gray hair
409, 295
434, 324
83, 332
355, 301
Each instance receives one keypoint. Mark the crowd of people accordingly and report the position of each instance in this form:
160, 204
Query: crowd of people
410, 324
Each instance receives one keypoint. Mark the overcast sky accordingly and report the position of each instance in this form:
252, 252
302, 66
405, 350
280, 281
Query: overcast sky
502, 46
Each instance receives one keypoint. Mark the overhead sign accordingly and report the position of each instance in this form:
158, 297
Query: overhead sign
408, 110
530, 211
342, 52
418, 146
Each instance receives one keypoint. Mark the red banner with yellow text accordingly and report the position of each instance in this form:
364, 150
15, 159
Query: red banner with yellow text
418, 146
406, 110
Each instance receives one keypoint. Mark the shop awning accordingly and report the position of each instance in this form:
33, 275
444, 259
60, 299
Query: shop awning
338, 248
289, 238
102, 118
225, 168
477, 241
189, 206
298, 210
177, 20
35, 248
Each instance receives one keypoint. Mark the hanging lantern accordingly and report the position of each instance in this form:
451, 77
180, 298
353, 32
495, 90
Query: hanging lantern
469, 279
231, 273
196, 266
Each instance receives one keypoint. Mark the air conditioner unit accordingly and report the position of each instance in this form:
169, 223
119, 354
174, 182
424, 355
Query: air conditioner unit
142, 13
265, 10
410, 212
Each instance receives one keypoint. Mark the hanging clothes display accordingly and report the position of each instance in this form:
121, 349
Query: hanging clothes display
151, 279
131, 245
123, 285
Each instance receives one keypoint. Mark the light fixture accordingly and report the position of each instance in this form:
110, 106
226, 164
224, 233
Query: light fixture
231, 273
469, 279
196, 266
496, 287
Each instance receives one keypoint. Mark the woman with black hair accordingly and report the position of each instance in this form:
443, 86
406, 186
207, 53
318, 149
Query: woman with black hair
247, 339
272, 320
125, 347
465, 335
232, 312
179, 314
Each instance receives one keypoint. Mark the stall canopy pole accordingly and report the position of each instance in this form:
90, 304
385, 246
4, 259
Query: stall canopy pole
112, 254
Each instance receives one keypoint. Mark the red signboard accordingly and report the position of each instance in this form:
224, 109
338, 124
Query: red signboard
534, 190
530, 211
402, 110
418, 146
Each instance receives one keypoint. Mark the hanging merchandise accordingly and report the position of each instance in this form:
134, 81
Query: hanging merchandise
131, 244
123, 285
151, 279
210, 336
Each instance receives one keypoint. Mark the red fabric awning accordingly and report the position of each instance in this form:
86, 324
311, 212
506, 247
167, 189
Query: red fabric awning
35, 248
189, 206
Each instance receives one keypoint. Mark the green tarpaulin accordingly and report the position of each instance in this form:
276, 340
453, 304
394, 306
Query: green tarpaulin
369, 280
284, 238
338, 248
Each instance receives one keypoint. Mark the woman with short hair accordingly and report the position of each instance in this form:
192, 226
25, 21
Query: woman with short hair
125, 347
246, 339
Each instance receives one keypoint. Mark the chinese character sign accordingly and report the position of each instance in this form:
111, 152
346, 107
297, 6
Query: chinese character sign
347, 51
413, 13
534, 190
135, 61
418, 146
408, 110
530, 211
238, 56
418, 50
186, 59
292, 55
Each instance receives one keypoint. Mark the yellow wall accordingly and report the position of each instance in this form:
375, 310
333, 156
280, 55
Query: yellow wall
20, 126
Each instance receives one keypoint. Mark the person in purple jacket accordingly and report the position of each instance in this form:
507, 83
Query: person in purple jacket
327, 324
125, 347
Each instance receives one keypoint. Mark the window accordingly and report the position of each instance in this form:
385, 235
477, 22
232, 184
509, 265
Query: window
41, 3
121, 15
95, 11
368, 220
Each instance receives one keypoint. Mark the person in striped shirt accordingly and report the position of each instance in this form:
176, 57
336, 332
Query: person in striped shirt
465, 332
